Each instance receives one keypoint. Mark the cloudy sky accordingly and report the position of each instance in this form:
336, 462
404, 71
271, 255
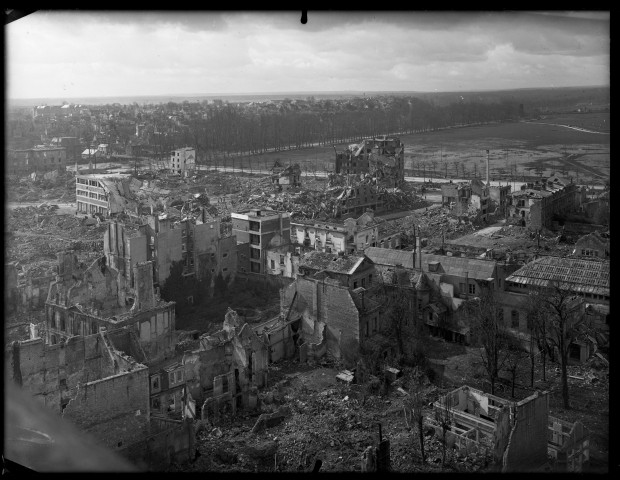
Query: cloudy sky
73, 54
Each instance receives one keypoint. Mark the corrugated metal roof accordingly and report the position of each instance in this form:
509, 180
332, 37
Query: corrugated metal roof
583, 276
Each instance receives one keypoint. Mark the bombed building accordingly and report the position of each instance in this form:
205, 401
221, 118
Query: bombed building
381, 157
84, 299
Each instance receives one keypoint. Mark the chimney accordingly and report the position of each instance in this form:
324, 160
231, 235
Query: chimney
487, 167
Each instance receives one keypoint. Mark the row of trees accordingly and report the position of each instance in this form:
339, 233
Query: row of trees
556, 318
235, 130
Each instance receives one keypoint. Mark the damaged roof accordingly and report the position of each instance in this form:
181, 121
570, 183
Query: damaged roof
331, 262
390, 257
460, 266
583, 276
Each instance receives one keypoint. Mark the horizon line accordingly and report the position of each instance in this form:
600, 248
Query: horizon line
301, 92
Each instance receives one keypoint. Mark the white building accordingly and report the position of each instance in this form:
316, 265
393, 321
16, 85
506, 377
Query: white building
183, 160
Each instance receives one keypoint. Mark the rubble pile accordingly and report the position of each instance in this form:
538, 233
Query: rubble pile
306, 203
36, 234
34, 187
321, 419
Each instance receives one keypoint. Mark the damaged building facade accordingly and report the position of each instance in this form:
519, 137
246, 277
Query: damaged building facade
84, 299
196, 242
545, 204
519, 435
467, 198
40, 158
94, 382
106, 194
381, 157
224, 371
183, 161
285, 178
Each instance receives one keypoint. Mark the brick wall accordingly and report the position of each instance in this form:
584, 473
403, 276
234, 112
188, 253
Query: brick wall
115, 409
174, 442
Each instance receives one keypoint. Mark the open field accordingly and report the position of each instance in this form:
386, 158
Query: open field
599, 122
529, 149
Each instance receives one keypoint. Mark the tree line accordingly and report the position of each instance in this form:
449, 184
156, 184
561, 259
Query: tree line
228, 129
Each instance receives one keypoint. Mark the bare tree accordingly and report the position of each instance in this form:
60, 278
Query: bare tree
516, 354
443, 417
398, 300
485, 317
563, 312
413, 406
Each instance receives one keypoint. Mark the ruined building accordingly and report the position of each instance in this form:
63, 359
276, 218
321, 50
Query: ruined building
195, 242
36, 159
84, 299
519, 435
466, 198
351, 271
286, 178
182, 161
95, 383
357, 199
381, 157
106, 194
88, 381
348, 236
226, 369
256, 231
546, 204
329, 318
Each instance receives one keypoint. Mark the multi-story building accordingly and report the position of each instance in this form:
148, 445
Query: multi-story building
559, 203
381, 157
521, 202
499, 194
37, 159
82, 300
260, 230
480, 197
456, 196
195, 242
183, 160
105, 194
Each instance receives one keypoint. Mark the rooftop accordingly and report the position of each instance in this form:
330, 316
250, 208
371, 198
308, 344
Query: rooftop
460, 266
390, 257
331, 262
580, 275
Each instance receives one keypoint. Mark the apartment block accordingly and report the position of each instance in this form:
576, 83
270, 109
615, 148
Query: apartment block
261, 229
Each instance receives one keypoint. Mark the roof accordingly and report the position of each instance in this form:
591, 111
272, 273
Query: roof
460, 266
331, 262
390, 257
530, 192
579, 274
